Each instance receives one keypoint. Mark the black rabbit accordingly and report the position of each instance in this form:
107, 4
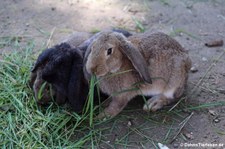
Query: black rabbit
61, 66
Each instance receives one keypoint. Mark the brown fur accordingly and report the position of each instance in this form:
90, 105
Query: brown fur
166, 62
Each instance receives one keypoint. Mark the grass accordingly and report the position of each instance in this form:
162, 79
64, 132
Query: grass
139, 26
25, 125
165, 2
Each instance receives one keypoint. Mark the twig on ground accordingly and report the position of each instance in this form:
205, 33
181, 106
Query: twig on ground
183, 123
50, 37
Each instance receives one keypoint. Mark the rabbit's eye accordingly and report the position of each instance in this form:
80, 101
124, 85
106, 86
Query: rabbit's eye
109, 51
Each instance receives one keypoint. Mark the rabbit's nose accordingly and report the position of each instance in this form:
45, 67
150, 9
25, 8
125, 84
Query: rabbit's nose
91, 69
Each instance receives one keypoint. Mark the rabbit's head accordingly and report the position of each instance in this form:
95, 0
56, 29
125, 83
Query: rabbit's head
108, 53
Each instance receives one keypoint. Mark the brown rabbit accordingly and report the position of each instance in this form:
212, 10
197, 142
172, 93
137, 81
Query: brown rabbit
151, 64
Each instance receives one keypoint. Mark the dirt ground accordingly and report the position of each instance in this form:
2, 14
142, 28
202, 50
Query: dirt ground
192, 23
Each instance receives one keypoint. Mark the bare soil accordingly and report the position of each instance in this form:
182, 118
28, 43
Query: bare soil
192, 23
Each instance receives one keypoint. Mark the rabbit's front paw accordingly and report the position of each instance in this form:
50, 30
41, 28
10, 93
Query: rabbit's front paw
114, 108
108, 113
103, 115
155, 103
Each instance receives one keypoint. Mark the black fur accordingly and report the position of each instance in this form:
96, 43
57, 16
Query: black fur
64, 71
124, 32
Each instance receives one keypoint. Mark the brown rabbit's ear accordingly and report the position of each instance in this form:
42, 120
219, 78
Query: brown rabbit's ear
87, 50
85, 46
135, 57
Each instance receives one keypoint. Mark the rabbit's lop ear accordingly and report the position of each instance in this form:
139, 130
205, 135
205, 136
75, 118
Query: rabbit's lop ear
43, 58
87, 50
135, 57
75, 85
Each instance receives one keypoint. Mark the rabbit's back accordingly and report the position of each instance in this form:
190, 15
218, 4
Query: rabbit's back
160, 50
153, 44
167, 60
77, 38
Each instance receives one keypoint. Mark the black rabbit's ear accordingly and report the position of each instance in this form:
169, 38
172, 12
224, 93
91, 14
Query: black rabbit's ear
55, 55
123, 31
43, 58
77, 54
76, 87
60, 98
62, 55
63, 46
